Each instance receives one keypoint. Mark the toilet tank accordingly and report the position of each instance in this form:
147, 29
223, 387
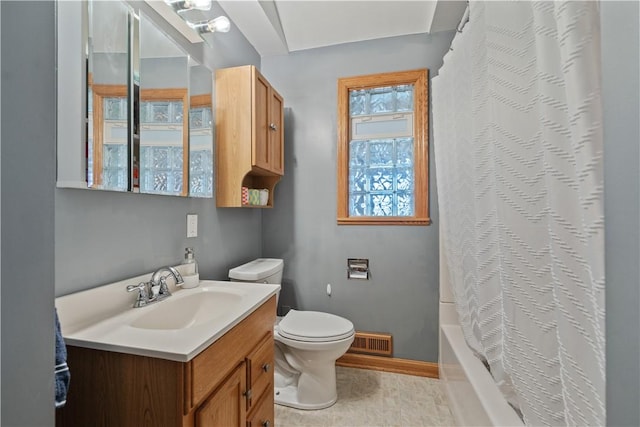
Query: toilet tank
261, 270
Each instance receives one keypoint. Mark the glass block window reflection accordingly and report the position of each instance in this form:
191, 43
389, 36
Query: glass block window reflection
161, 112
114, 154
200, 173
114, 167
160, 159
200, 118
200, 152
161, 169
381, 171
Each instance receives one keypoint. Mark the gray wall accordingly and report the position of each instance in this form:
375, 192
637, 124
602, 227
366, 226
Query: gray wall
402, 296
28, 176
621, 89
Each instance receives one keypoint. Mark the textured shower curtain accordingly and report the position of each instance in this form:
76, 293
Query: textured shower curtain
518, 152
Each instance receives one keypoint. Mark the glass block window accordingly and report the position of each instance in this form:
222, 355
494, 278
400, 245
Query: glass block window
381, 177
382, 149
381, 100
381, 170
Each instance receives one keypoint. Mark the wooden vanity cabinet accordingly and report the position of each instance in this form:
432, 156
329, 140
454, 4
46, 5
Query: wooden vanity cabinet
249, 135
230, 383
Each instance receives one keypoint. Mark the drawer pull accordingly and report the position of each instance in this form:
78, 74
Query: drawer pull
266, 423
266, 367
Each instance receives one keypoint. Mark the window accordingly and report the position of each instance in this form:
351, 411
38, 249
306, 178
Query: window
383, 151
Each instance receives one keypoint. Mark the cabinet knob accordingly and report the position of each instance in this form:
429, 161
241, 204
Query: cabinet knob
247, 394
272, 126
266, 423
266, 367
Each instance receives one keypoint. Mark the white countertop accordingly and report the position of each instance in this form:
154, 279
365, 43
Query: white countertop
103, 318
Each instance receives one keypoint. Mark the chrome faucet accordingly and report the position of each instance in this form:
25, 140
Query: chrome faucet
155, 289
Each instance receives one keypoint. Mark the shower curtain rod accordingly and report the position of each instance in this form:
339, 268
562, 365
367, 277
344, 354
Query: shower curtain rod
463, 21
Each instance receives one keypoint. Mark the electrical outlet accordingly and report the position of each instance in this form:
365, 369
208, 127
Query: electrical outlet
192, 225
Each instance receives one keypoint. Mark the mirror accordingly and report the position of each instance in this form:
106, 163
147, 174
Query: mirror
107, 96
164, 102
200, 132
134, 105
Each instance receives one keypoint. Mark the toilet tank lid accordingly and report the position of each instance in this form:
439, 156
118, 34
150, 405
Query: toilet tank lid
257, 269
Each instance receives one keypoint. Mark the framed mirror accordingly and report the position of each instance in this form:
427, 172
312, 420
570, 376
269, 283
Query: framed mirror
134, 105
163, 150
200, 131
109, 28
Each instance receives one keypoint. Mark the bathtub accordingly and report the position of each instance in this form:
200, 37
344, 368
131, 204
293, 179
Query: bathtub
474, 398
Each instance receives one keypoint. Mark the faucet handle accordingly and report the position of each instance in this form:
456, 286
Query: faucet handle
143, 296
164, 289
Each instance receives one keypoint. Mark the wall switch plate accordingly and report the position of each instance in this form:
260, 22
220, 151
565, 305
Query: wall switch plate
192, 225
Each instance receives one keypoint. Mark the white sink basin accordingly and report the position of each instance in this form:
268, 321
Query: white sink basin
191, 310
177, 328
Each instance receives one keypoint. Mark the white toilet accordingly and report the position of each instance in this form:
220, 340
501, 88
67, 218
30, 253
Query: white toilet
307, 345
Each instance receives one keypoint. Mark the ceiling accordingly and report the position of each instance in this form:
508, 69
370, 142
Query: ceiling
277, 27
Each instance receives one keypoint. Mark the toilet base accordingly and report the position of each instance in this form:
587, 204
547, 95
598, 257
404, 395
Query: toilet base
288, 396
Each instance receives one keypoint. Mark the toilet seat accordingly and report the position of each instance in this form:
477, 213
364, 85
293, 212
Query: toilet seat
314, 326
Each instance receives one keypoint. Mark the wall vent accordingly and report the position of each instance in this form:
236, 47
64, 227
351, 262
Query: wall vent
372, 343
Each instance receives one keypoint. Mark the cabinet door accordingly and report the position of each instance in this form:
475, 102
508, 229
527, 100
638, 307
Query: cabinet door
276, 134
226, 406
260, 153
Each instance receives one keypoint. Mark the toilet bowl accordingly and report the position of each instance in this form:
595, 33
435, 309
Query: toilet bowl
307, 345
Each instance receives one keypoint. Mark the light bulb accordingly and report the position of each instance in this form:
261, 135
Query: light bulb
220, 24
197, 4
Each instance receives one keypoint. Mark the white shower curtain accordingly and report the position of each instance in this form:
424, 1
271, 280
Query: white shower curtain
518, 152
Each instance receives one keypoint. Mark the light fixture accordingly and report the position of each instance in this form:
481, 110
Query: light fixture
185, 5
220, 24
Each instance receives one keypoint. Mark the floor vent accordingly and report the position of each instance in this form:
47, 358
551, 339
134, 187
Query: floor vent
372, 343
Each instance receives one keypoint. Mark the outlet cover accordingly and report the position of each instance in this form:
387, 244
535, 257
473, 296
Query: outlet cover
192, 225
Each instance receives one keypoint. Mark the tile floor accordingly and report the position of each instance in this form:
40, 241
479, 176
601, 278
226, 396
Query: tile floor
372, 398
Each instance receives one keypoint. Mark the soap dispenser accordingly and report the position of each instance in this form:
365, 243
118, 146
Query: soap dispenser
191, 276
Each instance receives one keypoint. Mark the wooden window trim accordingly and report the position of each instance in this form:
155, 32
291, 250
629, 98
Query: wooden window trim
99, 93
419, 78
200, 101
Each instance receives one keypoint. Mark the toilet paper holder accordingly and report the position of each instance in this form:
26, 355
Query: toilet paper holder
358, 268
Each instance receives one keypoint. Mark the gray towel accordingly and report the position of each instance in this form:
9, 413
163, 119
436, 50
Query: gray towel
61, 370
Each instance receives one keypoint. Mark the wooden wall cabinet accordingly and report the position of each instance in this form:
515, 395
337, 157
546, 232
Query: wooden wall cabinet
249, 135
230, 383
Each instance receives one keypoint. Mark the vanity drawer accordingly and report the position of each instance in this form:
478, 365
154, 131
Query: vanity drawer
207, 370
260, 369
264, 412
